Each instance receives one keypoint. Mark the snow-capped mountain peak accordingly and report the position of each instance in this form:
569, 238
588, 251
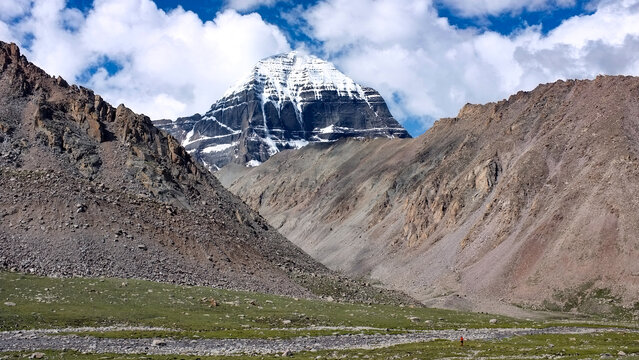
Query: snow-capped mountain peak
285, 76
287, 101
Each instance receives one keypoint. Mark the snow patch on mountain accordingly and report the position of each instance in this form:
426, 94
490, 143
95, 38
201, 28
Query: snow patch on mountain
218, 148
285, 76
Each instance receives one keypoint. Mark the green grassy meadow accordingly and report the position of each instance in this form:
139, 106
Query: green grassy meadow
33, 302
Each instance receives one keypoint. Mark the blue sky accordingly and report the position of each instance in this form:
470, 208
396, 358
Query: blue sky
426, 57
507, 23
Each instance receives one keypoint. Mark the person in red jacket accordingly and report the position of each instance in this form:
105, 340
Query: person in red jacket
461, 341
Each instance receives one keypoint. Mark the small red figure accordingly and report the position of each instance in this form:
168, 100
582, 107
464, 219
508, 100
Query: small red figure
461, 341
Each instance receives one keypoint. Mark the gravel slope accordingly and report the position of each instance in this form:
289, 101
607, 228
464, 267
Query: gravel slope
520, 201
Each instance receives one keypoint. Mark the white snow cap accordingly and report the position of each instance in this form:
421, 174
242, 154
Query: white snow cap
285, 76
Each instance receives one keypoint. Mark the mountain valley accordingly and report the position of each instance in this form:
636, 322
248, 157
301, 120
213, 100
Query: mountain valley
117, 242
524, 201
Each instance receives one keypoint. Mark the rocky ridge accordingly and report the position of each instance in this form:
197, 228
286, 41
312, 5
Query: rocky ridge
92, 190
286, 102
521, 201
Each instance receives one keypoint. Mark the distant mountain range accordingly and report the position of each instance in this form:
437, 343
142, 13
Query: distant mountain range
286, 102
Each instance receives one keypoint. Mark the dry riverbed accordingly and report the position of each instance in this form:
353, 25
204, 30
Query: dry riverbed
33, 340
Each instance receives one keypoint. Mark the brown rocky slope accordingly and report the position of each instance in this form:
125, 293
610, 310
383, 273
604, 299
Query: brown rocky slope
88, 189
527, 200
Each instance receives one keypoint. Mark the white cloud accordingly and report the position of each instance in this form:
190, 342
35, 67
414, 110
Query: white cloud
471, 8
5, 33
10, 9
54, 46
245, 5
426, 68
172, 64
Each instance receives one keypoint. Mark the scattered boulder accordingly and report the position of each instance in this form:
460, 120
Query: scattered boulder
493, 321
158, 342
9, 303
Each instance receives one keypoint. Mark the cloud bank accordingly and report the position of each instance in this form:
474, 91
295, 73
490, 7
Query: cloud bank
169, 64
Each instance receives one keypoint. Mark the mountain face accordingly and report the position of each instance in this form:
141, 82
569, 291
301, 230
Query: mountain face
88, 189
530, 200
286, 102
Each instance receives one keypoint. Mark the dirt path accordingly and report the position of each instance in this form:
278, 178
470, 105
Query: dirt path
41, 340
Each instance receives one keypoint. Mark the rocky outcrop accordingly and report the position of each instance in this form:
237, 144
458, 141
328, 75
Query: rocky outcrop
92, 190
287, 102
521, 201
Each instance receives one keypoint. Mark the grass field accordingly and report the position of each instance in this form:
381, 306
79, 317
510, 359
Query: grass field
200, 311
32, 302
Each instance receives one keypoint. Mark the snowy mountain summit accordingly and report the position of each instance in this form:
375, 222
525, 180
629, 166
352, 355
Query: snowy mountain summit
285, 76
287, 101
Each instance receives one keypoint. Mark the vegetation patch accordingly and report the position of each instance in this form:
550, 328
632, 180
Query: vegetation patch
594, 301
